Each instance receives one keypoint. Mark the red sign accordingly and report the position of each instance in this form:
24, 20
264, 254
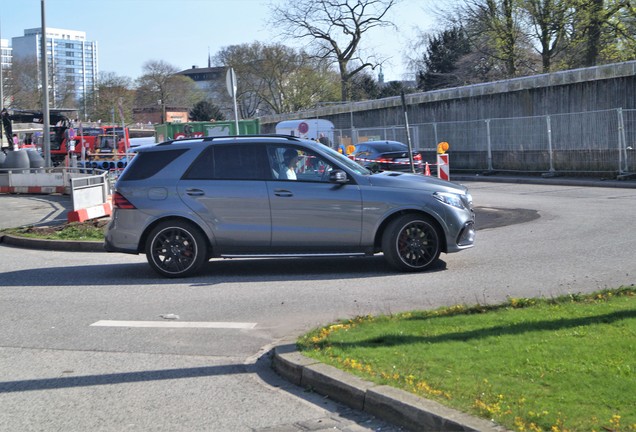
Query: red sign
303, 128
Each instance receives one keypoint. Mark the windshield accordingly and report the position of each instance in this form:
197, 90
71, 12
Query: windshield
352, 165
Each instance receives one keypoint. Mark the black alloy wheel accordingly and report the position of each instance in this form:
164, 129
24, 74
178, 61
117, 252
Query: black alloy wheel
176, 249
411, 243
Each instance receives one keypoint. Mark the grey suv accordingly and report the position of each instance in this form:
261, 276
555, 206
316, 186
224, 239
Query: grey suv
186, 201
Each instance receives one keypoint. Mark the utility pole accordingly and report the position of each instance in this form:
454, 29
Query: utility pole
46, 126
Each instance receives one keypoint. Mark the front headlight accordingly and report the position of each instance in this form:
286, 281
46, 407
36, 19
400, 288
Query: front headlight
451, 199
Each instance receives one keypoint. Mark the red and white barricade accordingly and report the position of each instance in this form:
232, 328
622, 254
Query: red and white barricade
443, 168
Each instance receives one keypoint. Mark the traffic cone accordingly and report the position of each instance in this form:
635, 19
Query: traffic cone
427, 170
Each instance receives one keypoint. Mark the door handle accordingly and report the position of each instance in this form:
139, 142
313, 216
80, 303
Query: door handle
194, 192
283, 193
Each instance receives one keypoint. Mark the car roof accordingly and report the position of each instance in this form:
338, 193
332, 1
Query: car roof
273, 138
380, 142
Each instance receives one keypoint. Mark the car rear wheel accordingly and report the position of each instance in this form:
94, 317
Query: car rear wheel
176, 249
411, 243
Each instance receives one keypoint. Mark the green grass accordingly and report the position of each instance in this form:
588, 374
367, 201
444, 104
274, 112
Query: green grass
565, 364
86, 231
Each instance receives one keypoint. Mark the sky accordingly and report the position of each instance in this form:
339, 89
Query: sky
130, 33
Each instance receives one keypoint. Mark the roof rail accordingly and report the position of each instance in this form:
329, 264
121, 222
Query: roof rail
212, 138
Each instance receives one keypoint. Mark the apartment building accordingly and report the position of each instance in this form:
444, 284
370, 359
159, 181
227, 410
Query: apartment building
72, 60
5, 53
5, 63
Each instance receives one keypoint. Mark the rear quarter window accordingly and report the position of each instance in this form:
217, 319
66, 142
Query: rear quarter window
147, 164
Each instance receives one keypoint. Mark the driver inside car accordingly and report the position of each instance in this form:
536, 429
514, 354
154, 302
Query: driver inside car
290, 161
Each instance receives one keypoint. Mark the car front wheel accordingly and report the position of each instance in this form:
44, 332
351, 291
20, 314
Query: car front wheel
176, 249
411, 243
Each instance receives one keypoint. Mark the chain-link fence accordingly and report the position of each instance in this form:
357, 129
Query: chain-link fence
579, 143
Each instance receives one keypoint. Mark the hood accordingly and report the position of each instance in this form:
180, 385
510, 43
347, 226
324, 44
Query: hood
414, 181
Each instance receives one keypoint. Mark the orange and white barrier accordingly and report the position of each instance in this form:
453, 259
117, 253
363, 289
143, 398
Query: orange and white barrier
39, 190
91, 198
443, 169
94, 212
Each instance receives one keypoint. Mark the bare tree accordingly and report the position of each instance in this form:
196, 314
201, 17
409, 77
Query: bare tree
22, 85
161, 85
275, 78
497, 32
63, 87
111, 88
335, 30
496, 24
549, 20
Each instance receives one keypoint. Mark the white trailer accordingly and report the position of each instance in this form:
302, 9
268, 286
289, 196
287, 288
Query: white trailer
307, 128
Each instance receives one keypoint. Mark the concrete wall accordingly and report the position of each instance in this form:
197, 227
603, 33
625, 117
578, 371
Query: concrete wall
575, 91
588, 89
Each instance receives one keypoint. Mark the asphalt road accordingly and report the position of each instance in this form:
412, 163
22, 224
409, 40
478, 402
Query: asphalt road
58, 371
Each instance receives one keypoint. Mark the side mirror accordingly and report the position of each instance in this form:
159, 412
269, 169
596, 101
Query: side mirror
338, 176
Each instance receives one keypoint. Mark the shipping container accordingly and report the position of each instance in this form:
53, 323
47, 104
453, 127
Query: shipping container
171, 131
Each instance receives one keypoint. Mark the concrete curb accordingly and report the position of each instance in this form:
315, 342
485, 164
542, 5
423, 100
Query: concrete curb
396, 406
555, 181
56, 245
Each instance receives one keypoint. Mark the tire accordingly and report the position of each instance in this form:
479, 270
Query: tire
176, 249
411, 243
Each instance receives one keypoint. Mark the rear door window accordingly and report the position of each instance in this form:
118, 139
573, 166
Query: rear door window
231, 162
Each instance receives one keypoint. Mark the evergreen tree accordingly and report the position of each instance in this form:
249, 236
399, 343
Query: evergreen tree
205, 111
442, 55
363, 86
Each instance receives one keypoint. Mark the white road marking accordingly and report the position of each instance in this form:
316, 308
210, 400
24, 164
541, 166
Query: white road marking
175, 324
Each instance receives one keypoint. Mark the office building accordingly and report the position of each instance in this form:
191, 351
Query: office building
72, 61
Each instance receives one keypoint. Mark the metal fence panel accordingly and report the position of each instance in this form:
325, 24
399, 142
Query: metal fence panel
582, 143
629, 149
585, 142
520, 144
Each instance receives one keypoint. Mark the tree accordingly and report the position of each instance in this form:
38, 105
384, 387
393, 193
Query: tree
602, 31
63, 91
364, 87
394, 88
103, 102
493, 26
275, 78
205, 111
335, 30
23, 88
549, 20
497, 34
439, 67
519, 37
160, 85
